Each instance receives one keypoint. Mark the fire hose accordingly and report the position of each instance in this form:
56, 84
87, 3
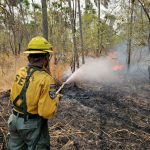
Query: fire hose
63, 84
60, 88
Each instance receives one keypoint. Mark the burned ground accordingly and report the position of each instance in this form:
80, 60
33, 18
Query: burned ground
98, 116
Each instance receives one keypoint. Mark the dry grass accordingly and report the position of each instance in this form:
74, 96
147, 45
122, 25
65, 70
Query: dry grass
8, 67
10, 64
58, 71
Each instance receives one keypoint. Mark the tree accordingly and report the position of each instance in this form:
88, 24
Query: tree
131, 3
99, 38
146, 10
44, 18
100, 46
35, 7
75, 59
81, 33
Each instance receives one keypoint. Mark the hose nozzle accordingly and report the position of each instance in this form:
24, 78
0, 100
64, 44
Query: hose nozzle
60, 88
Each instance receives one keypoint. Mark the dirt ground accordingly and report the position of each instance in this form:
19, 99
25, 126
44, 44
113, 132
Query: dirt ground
97, 117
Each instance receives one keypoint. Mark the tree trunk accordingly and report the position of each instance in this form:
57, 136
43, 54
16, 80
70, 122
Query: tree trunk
111, 23
99, 39
148, 16
12, 26
35, 23
81, 33
75, 12
23, 18
11, 45
149, 41
72, 17
130, 35
44, 19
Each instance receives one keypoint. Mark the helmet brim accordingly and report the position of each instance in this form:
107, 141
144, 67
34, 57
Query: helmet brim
49, 51
37, 52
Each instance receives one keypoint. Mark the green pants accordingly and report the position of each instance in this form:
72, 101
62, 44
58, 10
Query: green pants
24, 134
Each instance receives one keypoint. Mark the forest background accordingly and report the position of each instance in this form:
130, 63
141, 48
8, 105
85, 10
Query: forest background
76, 28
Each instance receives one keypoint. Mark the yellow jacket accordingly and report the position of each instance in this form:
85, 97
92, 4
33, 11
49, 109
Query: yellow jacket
40, 97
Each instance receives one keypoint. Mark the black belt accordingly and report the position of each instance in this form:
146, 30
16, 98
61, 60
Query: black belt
29, 116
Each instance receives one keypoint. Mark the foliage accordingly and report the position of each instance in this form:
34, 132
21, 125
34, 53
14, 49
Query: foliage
22, 19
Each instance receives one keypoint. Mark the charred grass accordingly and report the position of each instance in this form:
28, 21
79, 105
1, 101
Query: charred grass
97, 117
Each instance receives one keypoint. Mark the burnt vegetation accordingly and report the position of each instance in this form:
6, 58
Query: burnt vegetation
97, 116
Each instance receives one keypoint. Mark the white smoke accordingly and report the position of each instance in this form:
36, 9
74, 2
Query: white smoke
100, 69
94, 70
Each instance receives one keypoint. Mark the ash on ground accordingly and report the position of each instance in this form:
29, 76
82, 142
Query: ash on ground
98, 117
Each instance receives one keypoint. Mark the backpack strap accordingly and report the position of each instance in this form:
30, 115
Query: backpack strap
22, 95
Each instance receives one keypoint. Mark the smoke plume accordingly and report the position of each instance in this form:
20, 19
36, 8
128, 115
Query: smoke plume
95, 70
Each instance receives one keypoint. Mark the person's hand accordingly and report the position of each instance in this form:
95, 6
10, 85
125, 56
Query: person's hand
58, 98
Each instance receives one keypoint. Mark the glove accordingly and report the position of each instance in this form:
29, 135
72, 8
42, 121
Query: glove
58, 98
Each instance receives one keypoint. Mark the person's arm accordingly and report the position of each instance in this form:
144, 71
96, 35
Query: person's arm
47, 105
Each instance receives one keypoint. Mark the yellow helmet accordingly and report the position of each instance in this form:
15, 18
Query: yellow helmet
38, 45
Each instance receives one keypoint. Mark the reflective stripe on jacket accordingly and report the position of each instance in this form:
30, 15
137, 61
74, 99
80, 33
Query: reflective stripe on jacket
40, 95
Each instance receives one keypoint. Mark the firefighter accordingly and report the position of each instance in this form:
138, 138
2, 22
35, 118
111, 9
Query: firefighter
34, 100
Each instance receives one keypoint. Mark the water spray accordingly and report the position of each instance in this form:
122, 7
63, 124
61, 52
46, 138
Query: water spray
95, 70
69, 80
61, 87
